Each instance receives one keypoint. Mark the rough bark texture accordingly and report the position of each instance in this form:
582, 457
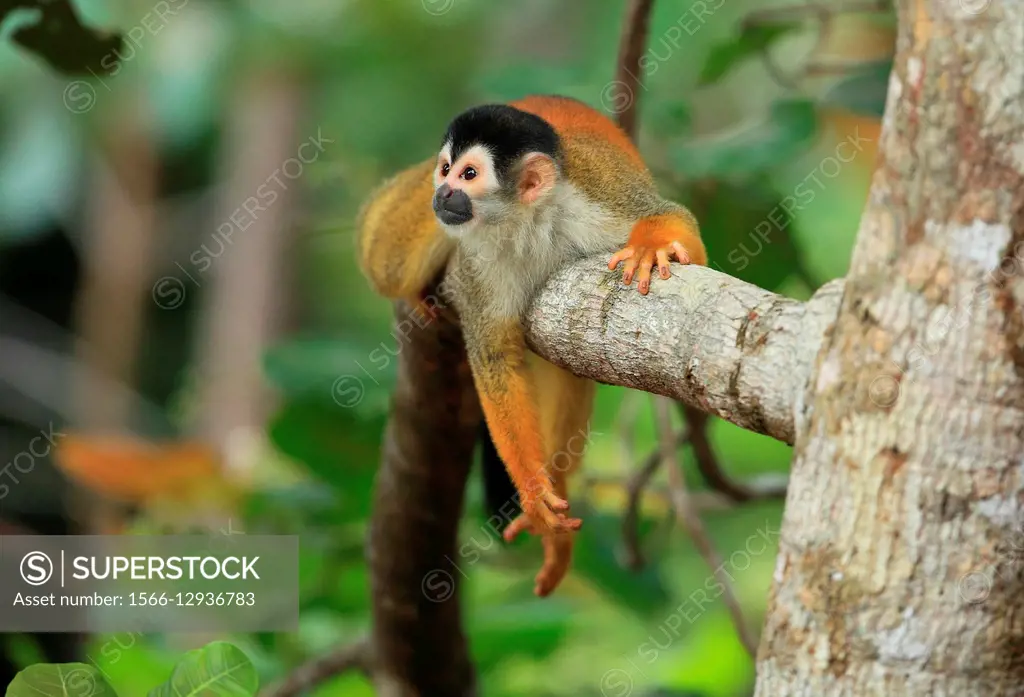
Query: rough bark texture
899, 570
707, 339
418, 646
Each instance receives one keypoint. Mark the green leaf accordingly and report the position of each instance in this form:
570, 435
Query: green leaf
216, 669
864, 91
57, 35
60, 680
789, 128
752, 39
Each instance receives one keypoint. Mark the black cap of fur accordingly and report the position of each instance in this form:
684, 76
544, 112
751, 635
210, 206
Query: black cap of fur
506, 131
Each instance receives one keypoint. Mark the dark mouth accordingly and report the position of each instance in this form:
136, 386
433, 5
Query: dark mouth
453, 217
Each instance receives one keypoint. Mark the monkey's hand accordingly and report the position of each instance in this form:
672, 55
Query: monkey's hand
655, 240
543, 513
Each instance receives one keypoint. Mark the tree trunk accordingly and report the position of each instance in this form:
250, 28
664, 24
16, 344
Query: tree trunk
896, 573
245, 253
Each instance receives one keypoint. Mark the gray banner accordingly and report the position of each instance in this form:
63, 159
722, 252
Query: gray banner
129, 583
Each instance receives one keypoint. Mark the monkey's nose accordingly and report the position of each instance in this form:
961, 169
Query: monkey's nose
452, 206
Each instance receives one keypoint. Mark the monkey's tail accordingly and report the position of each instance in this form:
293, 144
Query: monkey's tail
500, 496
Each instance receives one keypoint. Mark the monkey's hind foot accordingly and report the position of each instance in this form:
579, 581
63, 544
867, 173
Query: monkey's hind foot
529, 524
557, 554
543, 513
557, 558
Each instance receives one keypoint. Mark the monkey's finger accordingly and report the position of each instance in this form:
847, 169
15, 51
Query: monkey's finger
621, 255
681, 254
568, 524
662, 256
554, 502
520, 524
629, 269
644, 277
551, 522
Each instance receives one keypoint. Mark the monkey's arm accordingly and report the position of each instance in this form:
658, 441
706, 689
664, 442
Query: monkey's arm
401, 247
497, 353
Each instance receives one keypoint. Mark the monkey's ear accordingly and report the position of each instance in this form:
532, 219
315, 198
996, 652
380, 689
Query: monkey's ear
537, 176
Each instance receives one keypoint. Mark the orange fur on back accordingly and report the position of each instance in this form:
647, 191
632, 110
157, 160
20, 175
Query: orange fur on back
571, 118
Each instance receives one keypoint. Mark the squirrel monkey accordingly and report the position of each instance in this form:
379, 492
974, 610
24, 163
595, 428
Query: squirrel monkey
515, 192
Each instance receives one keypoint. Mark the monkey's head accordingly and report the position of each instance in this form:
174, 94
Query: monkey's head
496, 164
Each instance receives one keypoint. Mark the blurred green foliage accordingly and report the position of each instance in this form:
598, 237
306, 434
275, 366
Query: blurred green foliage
381, 78
219, 669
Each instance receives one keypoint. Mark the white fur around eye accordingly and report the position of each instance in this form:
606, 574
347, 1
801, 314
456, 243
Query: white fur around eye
479, 157
444, 156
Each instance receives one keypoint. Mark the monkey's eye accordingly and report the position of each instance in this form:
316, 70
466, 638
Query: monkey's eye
469, 173
445, 168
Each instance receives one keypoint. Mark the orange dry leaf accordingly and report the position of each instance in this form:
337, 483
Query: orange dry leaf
136, 471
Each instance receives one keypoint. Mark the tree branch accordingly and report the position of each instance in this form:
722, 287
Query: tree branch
631, 48
59, 37
688, 517
352, 657
635, 486
711, 470
712, 341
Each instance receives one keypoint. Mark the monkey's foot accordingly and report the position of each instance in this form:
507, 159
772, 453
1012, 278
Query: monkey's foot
557, 554
519, 525
557, 558
542, 520
644, 258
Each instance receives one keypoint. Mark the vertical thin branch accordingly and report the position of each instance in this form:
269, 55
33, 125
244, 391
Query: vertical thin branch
631, 48
629, 412
245, 295
686, 513
636, 483
118, 261
117, 254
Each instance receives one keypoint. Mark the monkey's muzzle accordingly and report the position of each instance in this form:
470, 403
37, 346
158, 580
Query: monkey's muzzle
452, 206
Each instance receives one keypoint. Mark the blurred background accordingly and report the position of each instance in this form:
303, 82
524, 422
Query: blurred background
183, 321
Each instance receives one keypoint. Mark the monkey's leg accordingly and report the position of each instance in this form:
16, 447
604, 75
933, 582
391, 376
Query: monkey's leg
497, 357
565, 404
653, 240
